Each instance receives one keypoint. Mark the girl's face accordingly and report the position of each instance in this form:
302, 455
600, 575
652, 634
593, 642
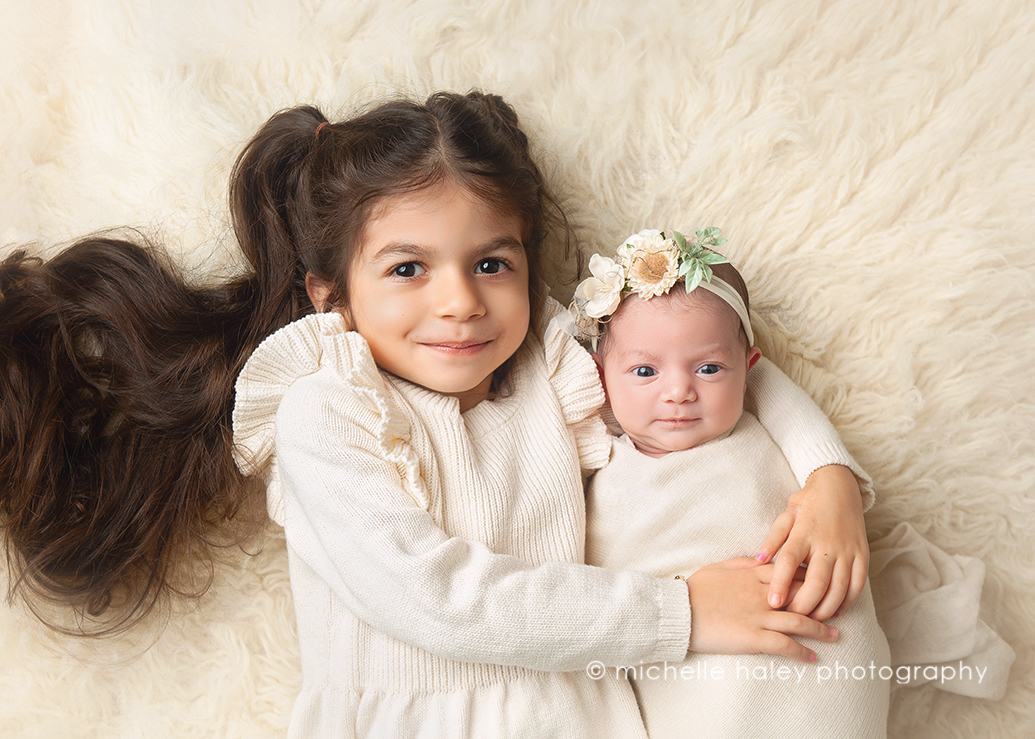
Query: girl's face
675, 369
439, 290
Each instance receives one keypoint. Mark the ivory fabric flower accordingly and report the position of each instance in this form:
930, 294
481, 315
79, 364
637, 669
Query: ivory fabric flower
648, 263
652, 267
640, 240
601, 293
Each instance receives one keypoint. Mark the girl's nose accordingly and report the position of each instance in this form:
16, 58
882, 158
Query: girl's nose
458, 298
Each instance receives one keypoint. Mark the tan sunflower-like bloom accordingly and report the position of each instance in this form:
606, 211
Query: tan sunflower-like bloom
652, 264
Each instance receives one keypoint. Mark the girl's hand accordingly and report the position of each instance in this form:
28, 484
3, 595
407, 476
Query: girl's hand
822, 527
729, 614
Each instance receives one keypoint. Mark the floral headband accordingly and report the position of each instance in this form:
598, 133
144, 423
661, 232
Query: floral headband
649, 264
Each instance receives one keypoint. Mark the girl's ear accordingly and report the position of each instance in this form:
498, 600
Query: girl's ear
319, 292
754, 354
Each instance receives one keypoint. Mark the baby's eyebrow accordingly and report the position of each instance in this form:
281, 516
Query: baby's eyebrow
716, 351
642, 354
637, 354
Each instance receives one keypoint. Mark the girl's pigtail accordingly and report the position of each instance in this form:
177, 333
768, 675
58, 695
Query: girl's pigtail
272, 211
116, 387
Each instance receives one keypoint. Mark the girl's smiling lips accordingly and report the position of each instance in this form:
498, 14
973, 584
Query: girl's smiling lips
456, 348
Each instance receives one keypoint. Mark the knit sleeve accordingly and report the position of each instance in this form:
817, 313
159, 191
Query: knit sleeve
350, 517
293, 352
574, 377
803, 432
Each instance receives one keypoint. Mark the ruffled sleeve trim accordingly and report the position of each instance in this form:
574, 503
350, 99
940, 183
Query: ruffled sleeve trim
573, 375
298, 350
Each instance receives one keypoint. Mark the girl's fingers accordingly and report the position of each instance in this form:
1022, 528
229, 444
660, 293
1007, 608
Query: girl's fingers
784, 570
817, 585
777, 536
783, 626
860, 568
738, 563
794, 624
772, 642
730, 616
834, 600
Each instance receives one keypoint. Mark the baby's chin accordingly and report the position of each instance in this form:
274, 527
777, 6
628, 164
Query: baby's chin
676, 440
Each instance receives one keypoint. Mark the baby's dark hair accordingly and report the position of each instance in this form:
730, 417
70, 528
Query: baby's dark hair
724, 271
117, 374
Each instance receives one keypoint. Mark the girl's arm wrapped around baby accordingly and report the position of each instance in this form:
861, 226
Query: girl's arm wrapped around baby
823, 525
350, 518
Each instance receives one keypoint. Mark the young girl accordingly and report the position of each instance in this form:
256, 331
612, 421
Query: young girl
421, 435
695, 478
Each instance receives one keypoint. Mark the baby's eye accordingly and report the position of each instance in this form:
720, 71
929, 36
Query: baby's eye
407, 270
644, 371
709, 369
491, 266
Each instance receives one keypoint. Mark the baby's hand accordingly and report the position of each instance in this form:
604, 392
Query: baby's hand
822, 527
729, 614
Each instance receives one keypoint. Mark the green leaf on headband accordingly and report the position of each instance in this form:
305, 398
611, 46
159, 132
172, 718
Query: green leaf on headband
696, 255
709, 238
695, 280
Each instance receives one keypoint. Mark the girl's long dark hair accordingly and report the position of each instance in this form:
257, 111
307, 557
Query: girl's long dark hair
117, 373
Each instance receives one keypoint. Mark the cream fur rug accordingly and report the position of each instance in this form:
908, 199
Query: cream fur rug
872, 164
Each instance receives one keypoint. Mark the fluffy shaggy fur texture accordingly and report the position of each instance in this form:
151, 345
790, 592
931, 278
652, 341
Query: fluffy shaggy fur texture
872, 165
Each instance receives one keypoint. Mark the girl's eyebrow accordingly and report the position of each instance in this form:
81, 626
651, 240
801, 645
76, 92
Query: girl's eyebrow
416, 252
505, 243
399, 249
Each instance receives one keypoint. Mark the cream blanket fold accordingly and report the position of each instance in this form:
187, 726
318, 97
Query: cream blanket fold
928, 603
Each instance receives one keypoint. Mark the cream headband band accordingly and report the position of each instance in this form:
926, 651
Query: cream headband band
727, 292
649, 264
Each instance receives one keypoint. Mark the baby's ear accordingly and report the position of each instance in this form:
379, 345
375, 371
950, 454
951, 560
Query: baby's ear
754, 354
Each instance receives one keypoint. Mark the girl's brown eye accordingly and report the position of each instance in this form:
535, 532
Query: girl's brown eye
490, 266
409, 269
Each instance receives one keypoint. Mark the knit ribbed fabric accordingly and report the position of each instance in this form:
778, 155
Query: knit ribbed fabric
435, 556
800, 429
674, 514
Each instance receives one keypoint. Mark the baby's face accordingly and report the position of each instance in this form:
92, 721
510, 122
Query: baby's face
675, 370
